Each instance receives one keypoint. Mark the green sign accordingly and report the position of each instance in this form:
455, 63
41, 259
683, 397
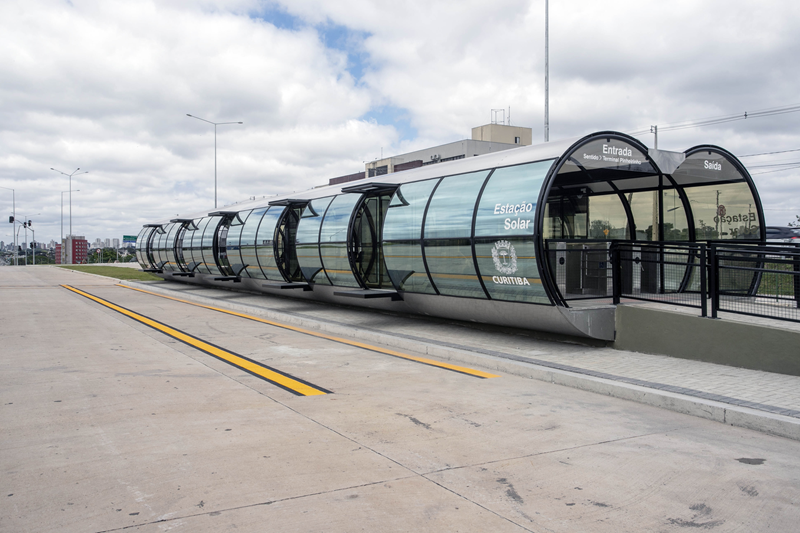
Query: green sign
129, 238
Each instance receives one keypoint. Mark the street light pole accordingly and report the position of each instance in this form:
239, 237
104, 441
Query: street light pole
63, 250
70, 191
215, 149
14, 214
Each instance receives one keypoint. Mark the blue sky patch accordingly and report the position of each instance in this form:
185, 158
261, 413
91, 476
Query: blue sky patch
398, 117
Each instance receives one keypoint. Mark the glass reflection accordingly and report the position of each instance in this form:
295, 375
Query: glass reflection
404, 218
509, 270
247, 244
451, 208
452, 269
725, 211
508, 203
265, 244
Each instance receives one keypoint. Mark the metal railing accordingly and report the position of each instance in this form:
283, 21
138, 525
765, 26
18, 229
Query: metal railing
751, 279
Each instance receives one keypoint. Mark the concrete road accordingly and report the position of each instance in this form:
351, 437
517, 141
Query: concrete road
108, 424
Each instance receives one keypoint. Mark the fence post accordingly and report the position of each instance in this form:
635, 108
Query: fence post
796, 269
616, 272
703, 282
713, 284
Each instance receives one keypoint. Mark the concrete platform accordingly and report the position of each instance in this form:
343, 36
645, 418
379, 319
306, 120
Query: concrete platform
109, 425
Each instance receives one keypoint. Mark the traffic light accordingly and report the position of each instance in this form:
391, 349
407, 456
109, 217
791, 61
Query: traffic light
30, 223
10, 220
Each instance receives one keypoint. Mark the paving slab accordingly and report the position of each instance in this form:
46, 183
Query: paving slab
109, 425
758, 400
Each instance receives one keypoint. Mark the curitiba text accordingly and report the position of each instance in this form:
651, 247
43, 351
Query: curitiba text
505, 280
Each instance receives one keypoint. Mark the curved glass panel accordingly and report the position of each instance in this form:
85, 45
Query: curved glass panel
406, 268
168, 246
208, 246
676, 226
141, 247
404, 218
337, 218
724, 211
308, 241
179, 239
607, 218
451, 208
509, 270
159, 239
265, 244
232, 243
452, 269
196, 262
508, 203
333, 240
155, 247
644, 206
247, 244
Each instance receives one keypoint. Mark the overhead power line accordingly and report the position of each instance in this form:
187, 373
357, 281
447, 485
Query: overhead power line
777, 170
770, 153
724, 119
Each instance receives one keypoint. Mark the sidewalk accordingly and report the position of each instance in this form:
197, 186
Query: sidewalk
752, 399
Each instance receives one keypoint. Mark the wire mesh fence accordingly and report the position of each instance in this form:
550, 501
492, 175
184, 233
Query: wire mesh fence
772, 274
661, 272
750, 279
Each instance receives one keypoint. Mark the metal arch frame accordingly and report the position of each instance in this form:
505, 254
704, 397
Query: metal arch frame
226, 218
149, 248
147, 230
165, 246
750, 183
542, 261
183, 266
368, 190
351, 238
744, 173
288, 210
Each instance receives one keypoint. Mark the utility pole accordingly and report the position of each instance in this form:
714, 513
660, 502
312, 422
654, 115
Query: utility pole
13, 220
654, 131
546, 71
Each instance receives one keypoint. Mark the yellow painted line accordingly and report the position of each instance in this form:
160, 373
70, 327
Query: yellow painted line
276, 377
424, 360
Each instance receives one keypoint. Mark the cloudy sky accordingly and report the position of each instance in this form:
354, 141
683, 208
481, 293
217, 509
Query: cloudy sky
323, 86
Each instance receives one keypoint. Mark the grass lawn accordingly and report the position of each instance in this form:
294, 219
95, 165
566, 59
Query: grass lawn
113, 272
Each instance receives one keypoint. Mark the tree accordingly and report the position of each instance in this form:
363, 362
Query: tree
796, 223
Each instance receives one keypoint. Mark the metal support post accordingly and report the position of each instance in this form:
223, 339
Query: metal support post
713, 282
616, 272
703, 282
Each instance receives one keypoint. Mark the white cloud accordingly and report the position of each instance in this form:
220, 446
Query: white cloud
105, 85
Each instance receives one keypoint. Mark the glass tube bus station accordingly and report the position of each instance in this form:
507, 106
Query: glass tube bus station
516, 238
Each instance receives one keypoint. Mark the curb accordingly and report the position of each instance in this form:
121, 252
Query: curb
754, 419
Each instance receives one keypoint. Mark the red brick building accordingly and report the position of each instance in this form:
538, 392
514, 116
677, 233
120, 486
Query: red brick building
76, 248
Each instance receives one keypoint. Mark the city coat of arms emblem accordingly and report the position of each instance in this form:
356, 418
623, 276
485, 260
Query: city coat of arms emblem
505, 257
